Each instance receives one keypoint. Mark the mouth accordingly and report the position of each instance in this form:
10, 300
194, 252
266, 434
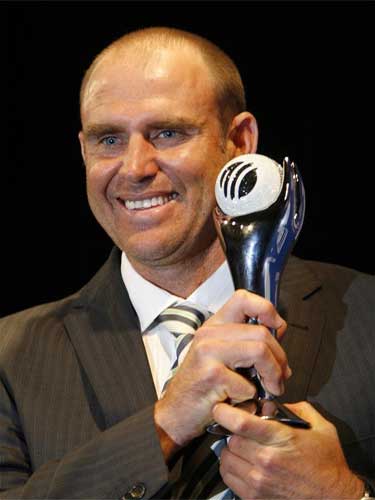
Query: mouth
146, 203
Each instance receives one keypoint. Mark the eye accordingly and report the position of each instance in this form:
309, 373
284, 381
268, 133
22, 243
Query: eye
110, 140
168, 137
167, 134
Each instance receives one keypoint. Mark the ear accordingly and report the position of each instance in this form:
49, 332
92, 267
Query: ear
243, 133
82, 142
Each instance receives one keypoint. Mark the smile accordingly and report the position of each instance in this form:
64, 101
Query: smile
155, 201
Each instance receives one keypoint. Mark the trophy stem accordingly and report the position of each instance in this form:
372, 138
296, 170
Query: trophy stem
260, 212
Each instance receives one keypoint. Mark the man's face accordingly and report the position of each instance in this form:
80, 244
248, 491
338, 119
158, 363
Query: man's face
153, 146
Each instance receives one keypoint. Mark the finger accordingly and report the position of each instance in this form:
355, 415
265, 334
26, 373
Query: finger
306, 411
244, 424
246, 478
245, 333
213, 382
244, 305
237, 485
271, 373
237, 474
245, 448
238, 331
268, 357
227, 383
233, 458
213, 355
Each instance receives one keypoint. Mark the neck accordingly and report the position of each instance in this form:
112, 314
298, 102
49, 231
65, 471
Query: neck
181, 278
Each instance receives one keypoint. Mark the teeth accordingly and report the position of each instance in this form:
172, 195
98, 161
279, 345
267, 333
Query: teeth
149, 202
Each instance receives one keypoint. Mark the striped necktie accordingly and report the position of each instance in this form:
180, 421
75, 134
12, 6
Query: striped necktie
202, 471
181, 320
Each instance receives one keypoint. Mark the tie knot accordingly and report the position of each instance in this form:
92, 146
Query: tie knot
183, 318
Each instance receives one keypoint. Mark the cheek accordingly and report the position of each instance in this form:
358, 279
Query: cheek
202, 201
99, 176
94, 191
97, 187
200, 185
94, 181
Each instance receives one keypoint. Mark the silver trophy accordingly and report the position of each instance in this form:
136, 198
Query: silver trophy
259, 215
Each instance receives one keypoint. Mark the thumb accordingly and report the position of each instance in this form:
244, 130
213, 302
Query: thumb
306, 411
242, 423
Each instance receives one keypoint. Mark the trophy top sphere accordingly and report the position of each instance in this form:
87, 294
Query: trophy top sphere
247, 184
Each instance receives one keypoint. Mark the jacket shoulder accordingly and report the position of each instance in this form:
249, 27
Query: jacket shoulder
338, 285
342, 278
39, 328
21, 331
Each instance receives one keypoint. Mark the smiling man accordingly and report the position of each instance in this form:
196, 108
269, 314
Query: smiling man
89, 406
154, 141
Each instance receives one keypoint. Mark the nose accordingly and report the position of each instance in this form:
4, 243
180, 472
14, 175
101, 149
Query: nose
139, 160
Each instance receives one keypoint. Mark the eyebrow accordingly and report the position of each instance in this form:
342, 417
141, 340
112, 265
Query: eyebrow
174, 122
100, 129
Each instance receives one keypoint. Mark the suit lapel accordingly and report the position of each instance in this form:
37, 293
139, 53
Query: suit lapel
104, 330
301, 304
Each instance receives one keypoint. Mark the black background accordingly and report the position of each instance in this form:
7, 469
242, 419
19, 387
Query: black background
307, 67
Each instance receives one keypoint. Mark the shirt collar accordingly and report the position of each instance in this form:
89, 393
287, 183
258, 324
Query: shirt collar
149, 300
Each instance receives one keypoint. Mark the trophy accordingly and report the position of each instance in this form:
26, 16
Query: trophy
259, 215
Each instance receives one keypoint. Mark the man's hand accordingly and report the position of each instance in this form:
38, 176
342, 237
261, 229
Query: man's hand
207, 375
267, 459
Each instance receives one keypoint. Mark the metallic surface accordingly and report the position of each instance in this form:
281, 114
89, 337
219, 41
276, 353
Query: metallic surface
257, 246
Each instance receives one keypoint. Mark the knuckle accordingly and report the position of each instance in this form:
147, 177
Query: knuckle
263, 333
274, 380
283, 326
304, 405
265, 459
278, 373
202, 345
242, 294
240, 424
253, 391
224, 457
223, 472
256, 479
234, 444
278, 387
225, 467
260, 349
214, 373
242, 297
331, 428
283, 359
268, 307
201, 333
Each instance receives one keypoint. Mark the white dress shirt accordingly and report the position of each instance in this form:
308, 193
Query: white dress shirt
149, 301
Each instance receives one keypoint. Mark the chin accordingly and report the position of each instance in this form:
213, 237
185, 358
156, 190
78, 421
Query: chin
148, 254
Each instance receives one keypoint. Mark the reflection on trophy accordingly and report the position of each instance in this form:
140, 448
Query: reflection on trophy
260, 213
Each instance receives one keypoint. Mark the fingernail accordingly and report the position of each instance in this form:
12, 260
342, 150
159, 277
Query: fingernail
215, 408
288, 372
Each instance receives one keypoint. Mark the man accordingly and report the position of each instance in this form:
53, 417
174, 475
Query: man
84, 413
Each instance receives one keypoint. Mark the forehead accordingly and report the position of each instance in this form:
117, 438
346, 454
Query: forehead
171, 77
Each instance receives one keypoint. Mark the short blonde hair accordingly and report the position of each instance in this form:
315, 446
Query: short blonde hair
229, 88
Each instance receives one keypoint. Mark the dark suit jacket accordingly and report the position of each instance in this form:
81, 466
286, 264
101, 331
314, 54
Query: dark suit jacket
76, 392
